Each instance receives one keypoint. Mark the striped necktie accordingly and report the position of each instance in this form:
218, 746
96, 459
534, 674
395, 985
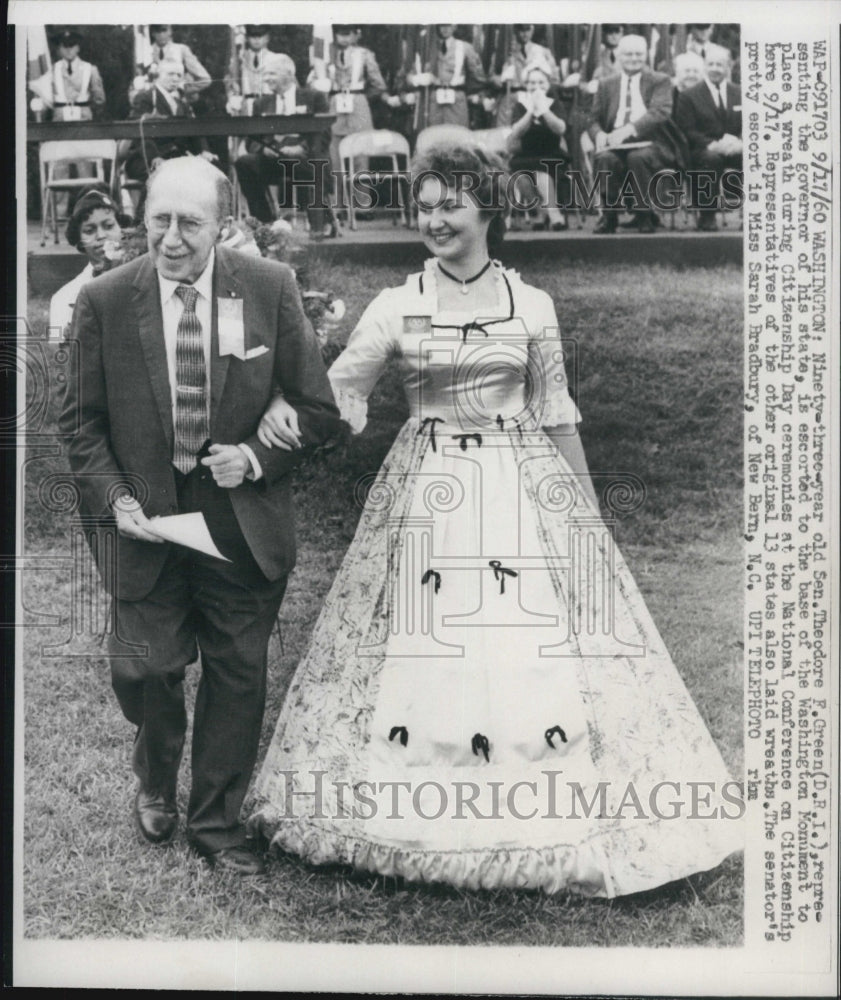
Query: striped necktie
191, 427
626, 114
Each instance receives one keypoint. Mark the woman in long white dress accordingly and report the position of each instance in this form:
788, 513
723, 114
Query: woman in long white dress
485, 700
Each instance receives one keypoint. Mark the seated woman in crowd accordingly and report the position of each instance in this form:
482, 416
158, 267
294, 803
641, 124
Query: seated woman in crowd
537, 144
95, 222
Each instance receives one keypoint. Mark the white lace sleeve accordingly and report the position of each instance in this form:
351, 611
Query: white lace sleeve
354, 373
552, 404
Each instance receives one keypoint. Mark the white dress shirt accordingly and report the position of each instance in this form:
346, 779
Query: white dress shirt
171, 309
285, 102
638, 108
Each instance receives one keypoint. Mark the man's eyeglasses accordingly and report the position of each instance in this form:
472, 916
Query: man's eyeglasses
187, 227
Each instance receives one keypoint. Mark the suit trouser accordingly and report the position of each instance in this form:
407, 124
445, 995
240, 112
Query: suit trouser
309, 179
629, 175
711, 165
229, 609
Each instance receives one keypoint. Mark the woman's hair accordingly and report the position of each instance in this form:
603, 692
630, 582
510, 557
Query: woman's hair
469, 168
93, 197
536, 68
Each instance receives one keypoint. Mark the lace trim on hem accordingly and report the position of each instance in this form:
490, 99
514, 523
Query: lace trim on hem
585, 869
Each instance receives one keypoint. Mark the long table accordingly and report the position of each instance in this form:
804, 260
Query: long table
171, 128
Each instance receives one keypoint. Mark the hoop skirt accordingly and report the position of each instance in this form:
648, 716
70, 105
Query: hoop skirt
485, 700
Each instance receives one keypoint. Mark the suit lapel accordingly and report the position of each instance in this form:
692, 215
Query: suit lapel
613, 101
147, 304
225, 286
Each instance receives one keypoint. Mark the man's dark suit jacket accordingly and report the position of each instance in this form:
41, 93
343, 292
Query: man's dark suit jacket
119, 410
152, 102
655, 125
700, 120
316, 144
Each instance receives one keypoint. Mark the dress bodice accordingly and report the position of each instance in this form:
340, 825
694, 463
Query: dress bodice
468, 368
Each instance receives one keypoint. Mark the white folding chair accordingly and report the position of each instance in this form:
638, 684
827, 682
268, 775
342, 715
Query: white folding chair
375, 143
50, 154
438, 135
493, 140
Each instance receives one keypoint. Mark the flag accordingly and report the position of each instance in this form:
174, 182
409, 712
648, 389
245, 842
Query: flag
142, 47
322, 41
594, 44
39, 65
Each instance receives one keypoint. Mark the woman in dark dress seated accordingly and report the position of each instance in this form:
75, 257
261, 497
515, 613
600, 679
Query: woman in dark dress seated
537, 145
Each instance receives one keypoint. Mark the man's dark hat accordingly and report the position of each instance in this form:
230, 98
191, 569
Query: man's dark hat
518, 26
69, 39
93, 198
345, 29
256, 30
155, 28
611, 29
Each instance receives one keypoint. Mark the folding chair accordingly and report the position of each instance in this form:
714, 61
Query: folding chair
493, 140
382, 144
55, 152
435, 135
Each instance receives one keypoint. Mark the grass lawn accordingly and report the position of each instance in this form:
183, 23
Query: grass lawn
659, 387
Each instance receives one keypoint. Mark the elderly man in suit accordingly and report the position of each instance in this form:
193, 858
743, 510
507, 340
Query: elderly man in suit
181, 351
163, 100
302, 160
163, 48
633, 135
710, 116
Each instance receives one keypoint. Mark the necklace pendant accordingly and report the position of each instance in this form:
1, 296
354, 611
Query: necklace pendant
464, 288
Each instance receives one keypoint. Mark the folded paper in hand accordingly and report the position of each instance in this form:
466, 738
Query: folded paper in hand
186, 529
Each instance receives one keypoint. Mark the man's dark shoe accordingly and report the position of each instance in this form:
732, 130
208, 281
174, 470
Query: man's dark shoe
606, 224
237, 860
156, 816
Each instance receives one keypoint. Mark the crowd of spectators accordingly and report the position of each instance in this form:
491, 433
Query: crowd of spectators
627, 110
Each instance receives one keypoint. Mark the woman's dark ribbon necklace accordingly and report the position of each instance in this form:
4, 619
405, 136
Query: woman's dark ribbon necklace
464, 282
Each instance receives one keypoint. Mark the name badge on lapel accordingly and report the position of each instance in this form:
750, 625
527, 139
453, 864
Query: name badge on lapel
417, 324
231, 327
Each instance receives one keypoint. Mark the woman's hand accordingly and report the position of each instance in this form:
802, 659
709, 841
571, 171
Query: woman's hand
279, 426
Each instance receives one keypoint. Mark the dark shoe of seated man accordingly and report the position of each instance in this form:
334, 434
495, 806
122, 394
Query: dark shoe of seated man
606, 224
707, 222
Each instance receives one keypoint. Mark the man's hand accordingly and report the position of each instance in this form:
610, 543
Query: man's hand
601, 141
279, 426
620, 135
205, 154
228, 463
131, 521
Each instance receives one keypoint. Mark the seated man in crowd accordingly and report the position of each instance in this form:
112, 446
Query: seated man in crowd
633, 135
300, 160
710, 116
689, 70
164, 49
163, 100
